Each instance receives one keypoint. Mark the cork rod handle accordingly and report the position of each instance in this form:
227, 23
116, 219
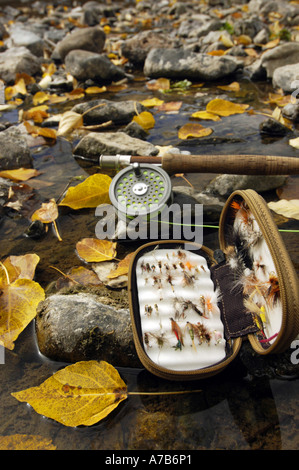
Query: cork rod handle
231, 164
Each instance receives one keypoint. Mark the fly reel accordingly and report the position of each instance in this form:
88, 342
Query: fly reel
140, 190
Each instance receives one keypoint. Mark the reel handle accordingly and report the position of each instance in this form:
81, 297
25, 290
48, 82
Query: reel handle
231, 164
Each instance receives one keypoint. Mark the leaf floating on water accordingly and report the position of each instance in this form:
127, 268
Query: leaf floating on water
37, 114
287, 208
20, 174
234, 86
145, 119
94, 250
80, 394
225, 108
90, 193
194, 130
158, 84
25, 442
205, 115
152, 102
18, 304
47, 213
25, 264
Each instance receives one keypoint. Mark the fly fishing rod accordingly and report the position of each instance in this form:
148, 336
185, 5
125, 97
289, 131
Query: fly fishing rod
225, 164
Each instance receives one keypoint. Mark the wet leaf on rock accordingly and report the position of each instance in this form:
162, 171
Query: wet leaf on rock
80, 394
145, 119
68, 122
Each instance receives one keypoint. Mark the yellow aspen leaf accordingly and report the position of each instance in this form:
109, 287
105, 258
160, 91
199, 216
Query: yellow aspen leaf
122, 268
243, 39
218, 52
49, 69
226, 41
78, 275
47, 213
170, 106
18, 304
251, 52
25, 442
205, 115
20, 174
151, 102
28, 79
24, 264
158, 84
69, 121
90, 193
145, 119
47, 133
271, 44
94, 250
40, 97
37, 114
287, 208
225, 108
8, 272
80, 394
92, 90
193, 130
294, 143
234, 86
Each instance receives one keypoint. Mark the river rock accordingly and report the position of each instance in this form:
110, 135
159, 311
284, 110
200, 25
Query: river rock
224, 185
14, 150
285, 54
90, 39
119, 112
286, 77
18, 60
291, 111
113, 143
183, 64
138, 46
21, 36
85, 65
82, 326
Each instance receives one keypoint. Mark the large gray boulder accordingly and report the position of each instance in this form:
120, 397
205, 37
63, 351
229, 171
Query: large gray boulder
184, 64
18, 60
14, 150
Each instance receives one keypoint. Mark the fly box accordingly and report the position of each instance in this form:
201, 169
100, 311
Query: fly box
191, 308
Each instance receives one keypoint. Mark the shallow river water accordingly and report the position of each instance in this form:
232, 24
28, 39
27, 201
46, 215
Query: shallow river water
237, 409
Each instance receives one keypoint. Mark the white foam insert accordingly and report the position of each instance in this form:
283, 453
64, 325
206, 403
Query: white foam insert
157, 323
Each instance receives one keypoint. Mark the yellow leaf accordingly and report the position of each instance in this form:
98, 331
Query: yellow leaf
145, 119
69, 121
287, 208
92, 192
271, 44
170, 106
20, 174
95, 89
25, 265
18, 304
251, 52
25, 442
37, 114
234, 86
80, 394
225, 108
47, 213
47, 133
151, 102
294, 143
159, 84
40, 97
122, 268
193, 130
94, 250
218, 52
244, 39
226, 41
205, 115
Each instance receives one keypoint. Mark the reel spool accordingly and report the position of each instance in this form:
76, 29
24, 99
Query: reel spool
140, 189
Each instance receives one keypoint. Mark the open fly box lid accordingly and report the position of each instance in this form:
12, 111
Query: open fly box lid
190, 312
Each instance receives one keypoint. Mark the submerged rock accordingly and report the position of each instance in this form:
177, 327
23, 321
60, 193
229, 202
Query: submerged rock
14, 151
119, 112
83, 326
183, 64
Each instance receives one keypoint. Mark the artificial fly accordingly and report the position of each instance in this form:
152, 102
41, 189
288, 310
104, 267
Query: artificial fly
178, 334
